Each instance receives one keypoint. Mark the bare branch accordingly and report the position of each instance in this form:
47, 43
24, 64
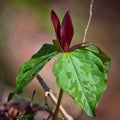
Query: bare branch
49, 93
89, 20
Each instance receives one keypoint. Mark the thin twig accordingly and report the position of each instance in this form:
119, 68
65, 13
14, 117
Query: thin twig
62, 110
89, 20
49, 93
33, 95
43, 84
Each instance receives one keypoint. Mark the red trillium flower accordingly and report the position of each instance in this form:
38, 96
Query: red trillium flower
64, 32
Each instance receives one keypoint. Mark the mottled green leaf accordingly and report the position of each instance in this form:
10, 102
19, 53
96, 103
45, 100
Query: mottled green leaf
29, 69
82, 73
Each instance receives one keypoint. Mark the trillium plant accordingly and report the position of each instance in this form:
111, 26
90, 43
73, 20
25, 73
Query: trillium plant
80, 70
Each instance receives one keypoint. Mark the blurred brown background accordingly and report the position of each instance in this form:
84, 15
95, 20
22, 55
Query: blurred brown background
25, 25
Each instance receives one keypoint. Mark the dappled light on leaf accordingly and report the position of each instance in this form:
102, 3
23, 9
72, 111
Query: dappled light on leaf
82, 74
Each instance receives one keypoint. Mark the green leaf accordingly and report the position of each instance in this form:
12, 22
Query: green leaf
25, 117
10, 96
29, 69
57, 45
82, 73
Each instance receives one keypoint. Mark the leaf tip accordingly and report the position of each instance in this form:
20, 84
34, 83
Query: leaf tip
10, 96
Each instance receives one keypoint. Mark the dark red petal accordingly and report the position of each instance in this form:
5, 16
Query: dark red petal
80, 44
56, 23
66, 31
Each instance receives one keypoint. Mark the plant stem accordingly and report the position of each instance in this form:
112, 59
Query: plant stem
49, 93
58, 104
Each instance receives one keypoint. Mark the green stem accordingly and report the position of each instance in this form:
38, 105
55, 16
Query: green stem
58, 104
